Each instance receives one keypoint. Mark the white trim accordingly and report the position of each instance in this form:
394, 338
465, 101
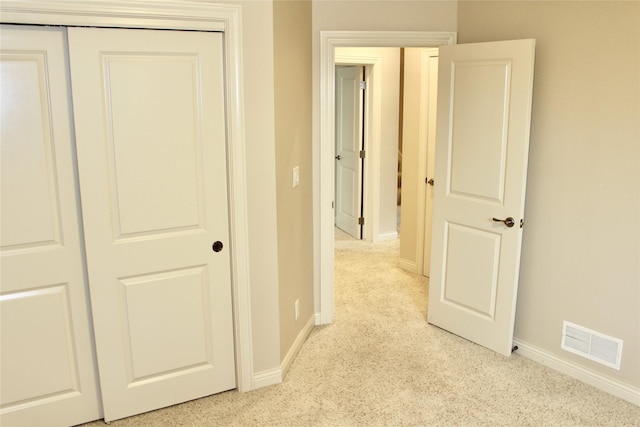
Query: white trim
608, 385
388, 236
267, 378
407, 265
323, 160
189, 15
297, 345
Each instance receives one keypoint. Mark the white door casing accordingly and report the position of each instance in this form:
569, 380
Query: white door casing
349, 138
183, 15
484, 112
48, 371
149, 117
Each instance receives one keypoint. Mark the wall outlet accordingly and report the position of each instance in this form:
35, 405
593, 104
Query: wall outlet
296, 176
297, 308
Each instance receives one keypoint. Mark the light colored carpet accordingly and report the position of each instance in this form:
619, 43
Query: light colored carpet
381, 364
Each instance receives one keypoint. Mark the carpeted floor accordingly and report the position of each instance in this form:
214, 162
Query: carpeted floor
381, 364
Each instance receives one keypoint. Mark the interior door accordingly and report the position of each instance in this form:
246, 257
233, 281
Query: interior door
348, 193
431, 101
484, 110
48, 371
150, 126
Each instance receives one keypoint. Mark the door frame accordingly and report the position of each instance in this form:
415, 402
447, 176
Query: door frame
195, 16
324, 152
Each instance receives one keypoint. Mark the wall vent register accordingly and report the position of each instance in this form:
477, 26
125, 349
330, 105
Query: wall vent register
591, 345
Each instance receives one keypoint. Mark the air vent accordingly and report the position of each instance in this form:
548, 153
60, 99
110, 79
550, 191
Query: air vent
592, 345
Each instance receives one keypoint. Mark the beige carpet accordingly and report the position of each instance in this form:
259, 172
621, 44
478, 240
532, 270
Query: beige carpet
381, 364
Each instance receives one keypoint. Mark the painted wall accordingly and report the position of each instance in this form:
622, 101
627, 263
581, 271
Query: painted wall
411, 182
581, 244
389, 75
292, 60
365, 15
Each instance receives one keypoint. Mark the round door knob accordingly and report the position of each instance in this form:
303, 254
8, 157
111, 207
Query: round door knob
217, 246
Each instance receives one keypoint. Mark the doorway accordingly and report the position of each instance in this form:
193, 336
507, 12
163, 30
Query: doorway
407, 92
380, 132
324, 156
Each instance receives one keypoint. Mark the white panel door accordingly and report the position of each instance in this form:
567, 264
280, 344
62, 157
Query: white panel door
484, 110
150, 126
48, 372
348, 193
430, 62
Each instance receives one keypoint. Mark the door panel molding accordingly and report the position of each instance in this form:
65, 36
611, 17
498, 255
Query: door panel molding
182, 15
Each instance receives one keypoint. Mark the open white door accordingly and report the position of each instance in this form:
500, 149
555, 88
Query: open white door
48, 372
348, 192
484, 110
431, 63
150, 127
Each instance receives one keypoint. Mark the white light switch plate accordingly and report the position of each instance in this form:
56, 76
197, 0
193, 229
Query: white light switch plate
296, 176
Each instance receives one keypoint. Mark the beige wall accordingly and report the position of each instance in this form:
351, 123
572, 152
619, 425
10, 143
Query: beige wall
292, 55
411, 182
580, 255
261, 182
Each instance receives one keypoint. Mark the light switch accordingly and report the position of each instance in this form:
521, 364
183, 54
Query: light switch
296, 176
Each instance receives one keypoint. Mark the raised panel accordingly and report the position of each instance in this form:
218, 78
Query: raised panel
30, 200
154, 128
348, 200
348, 113
479, 127
38, 354
470, 279
167, 314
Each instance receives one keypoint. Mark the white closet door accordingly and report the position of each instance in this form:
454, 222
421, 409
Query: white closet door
47, 371
150, 126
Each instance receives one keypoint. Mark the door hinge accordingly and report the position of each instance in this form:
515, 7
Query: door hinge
522, 223
361, 221
362, 154
363, 85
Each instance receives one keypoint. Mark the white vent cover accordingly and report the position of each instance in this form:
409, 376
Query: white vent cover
592, 345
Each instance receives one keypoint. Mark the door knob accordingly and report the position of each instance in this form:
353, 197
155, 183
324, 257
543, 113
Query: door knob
509, 221
338, 157
217, 246
430, 181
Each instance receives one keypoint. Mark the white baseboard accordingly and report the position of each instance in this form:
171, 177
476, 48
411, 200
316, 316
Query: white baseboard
387, 236
318, 319
266, 378
297, 345
616, 388
408, 265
